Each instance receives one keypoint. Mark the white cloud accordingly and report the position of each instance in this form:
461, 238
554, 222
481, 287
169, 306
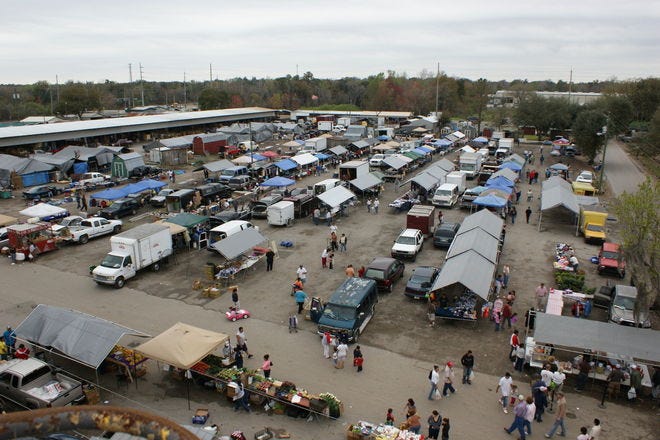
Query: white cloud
93, 41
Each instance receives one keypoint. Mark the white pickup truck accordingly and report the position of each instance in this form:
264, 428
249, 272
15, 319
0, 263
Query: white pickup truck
92, 178
92, 227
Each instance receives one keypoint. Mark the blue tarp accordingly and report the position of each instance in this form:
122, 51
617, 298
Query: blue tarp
321, 156
142, 185
383, 137
481, 140
38, 178
490, 201
80, 168
286, 164
511, 165
109, 194
426, 149
499, 181
441, 143
278, 181
420, 151
257, 157
500, 187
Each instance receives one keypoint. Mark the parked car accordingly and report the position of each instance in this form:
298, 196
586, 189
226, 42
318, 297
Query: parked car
143, 171
261, 206
585, 177
40, 192
420, 281
229, 215
385, 271
603, 297
120, 208
4, 238
239, 182
376, 160
444, 234
158, 200
92, 179
623, 306
610, 260
408, 244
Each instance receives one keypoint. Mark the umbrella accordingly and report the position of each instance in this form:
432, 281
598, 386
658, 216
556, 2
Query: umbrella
269, 154
278, 181
420, 130
490, 200
511, 165
292, 144
559, 167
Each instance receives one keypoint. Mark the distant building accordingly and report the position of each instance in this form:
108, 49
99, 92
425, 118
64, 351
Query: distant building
33, 120
511, 98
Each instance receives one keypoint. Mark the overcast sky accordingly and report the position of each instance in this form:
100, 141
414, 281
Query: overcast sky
96, 40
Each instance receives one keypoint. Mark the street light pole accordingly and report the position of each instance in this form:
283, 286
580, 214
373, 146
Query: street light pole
602, 164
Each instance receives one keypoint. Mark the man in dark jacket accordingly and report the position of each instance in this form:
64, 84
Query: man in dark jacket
539, 391
468, 362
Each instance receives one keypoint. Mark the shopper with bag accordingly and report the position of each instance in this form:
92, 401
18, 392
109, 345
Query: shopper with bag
449, 379
358, 360
434, 378
468, 363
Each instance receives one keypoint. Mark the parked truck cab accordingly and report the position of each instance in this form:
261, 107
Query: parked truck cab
349, 309
446, 195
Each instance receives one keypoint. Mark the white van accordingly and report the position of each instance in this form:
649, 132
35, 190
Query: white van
324, 185
227, 229
446, 195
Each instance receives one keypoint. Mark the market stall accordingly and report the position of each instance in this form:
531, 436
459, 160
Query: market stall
370, 431
563, 254
337, 199
44, 212
405, 202
41, 235
605, 345
240, 253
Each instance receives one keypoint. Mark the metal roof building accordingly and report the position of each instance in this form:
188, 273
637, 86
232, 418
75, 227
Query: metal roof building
33, 134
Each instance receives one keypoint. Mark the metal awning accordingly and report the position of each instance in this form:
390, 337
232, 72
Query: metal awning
485, 220
239, 243
365, 181
470, 270
394, 162
336, 196
338, 150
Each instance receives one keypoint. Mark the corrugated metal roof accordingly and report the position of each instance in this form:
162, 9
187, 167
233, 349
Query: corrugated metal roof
218, 165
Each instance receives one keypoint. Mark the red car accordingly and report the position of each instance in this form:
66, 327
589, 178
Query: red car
610, 260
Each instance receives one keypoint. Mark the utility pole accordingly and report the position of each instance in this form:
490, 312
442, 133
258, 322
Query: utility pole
570, 86
185, 96
142, 84
130, 81
437, 92
210, 73
57, 89
602, 164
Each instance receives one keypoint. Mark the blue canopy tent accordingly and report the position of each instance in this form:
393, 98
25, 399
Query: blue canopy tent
383, 137
499, 181
511, 165
480, 139
421, 151
321, 156
109, 194
278, 181
500, 186
441, 143
425, 148
478, 189
286, 164
257, 157
142, 185
490, 201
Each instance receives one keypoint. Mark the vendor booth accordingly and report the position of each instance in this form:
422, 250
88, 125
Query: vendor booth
558, 195
604, 344
337, 199
45, 212
240, 252
367, 184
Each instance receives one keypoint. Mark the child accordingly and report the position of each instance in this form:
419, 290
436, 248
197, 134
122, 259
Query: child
514, 395
497, 317
331, 256
293, 324
389, 418
445, 429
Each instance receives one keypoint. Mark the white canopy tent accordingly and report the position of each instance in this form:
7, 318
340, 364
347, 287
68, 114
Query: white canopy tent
304, 159
42, 210
336, 196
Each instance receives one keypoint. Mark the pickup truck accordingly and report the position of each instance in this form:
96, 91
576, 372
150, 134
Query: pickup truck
92, 227
34, 384
92, 179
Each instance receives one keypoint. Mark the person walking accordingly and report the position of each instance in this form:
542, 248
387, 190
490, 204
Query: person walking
434, 378
506, 272
266, 366
358, 359
389, 417
376, 204
520, 358
445, 429
328, 218
4, 350
238, 357
449, 379
331, 257
342, 353
583, 434
270, 256
594, 432
316, 216
528, 214
333, 241
343, 241
240, 397
514, 342
507, 313
467, 361
234, 298
83, 202
583, 374
440, 216
540, 397
241, 341
559, 418
78, 204
300, 296
513, 212
519, 412
326, 343
541, 292
324, 258
301, 272
530, 412
435, 424
368, 206
504, 388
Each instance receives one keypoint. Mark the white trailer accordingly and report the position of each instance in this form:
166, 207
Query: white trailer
458, 178
353, 169
470, 163
281, 213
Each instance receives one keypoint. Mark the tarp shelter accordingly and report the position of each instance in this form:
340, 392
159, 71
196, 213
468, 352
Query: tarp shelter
6, 220
394, 162
321, 156
558, 167
481, 140
244, 160
286, 165
485, 220
490, 200
507, 174
426, 148
336, 196
445, 165
187, 220
558, 196
468, 269
142, 185
87, 339
620, 341
218, 165
555, 181
293, 144
31, 171
278, 182
304, 159
437, 172
467, 149
442, 143
44, 211
123, 164
237, 244
504, 193
338, 150
365, 182
421, 152
516, 158
499, 181
478, 241
109, 194
269, 154
182, 345
510, 165
425, 181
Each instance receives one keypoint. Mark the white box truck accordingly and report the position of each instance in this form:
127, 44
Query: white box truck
281, 213
325, 125
471, 164
353, 169
458, 178
314, 145
446, 195
140, 247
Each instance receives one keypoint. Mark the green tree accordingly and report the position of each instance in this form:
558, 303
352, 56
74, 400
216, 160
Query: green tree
77, 98
586, 129
212, 98
638, 215
653, 136
619, 110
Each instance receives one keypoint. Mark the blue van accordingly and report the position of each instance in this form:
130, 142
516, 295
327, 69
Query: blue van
349, 309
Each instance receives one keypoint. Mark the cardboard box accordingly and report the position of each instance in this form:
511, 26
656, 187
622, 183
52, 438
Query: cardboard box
201, 416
